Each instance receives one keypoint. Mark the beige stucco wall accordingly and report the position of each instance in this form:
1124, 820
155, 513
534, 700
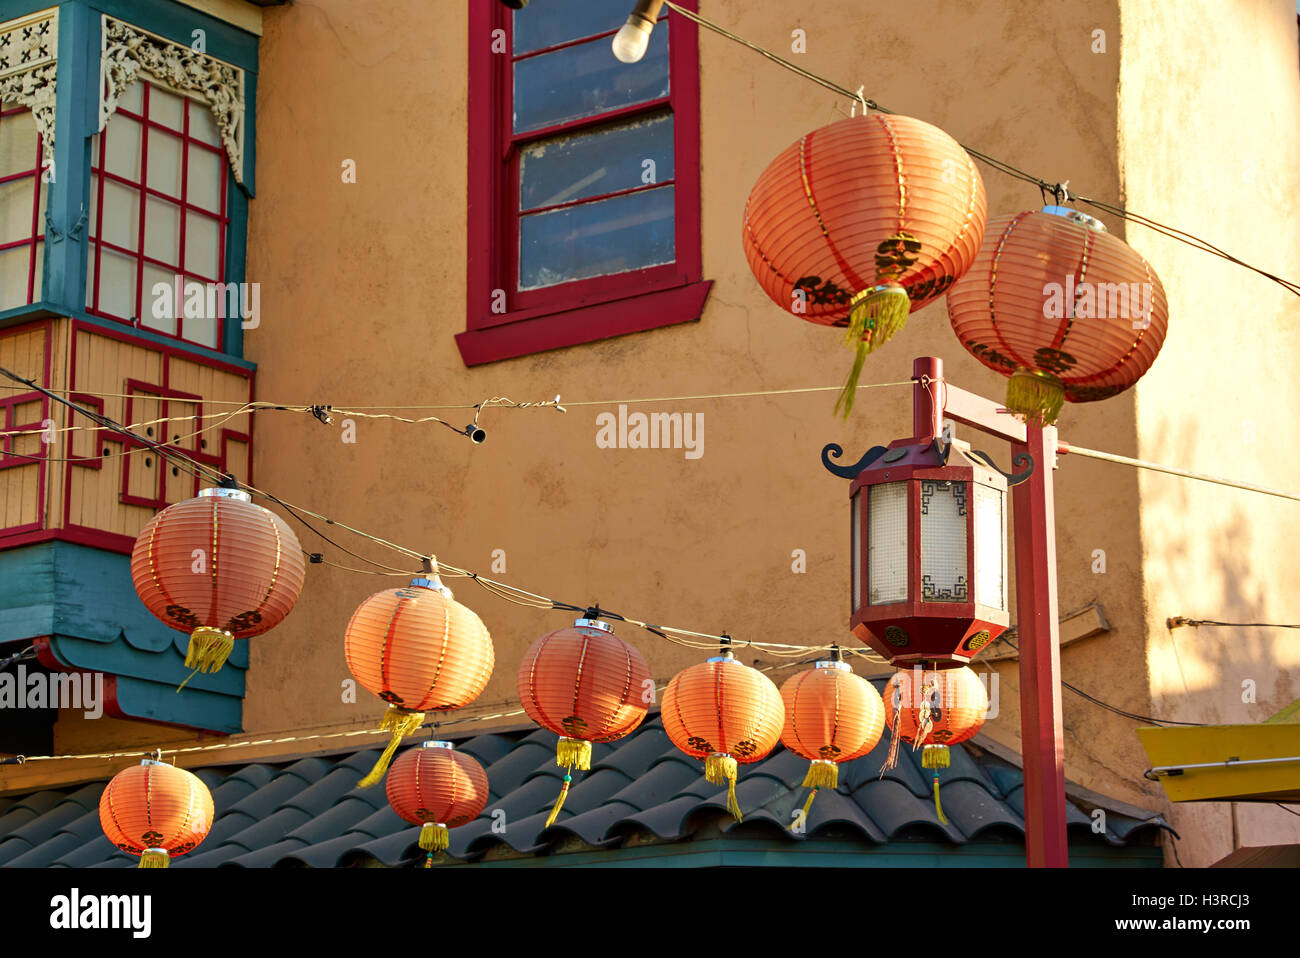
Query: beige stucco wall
1220, 159
363, 290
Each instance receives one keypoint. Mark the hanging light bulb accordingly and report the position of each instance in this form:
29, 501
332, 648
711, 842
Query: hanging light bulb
633, 37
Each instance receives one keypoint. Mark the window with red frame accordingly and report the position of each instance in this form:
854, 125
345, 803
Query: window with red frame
584, 215
22, 207
158, 212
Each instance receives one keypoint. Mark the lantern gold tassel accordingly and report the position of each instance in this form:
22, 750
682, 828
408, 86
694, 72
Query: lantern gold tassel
402, 723
209, 648
564, 791
875, 315
821, 774
571, 752
434, 837
155, 858
720, 768
936, 757
1035, 396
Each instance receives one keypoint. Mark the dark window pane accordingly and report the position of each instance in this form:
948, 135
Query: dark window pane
586, 80
610, 159
596, 239
548, 22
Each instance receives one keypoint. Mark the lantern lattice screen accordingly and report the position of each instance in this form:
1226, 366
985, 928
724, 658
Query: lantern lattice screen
990, 548
855, 561
887, 543
943, 541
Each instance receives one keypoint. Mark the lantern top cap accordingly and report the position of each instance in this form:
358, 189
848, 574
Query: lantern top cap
225, 493
431, 582
585, 623
437, 743
726, 656
833, 664
1074, 216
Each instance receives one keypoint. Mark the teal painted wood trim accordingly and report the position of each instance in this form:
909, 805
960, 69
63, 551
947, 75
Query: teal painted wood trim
232, 335
150, 338
22, 314
176, 22
68, 195
83, 599
158, 702
815, 853
13, 9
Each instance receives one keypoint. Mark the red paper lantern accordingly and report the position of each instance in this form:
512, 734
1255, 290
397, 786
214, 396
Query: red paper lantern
220, 568
932, 710
831, 716
420, 651
723, 712
587, 685
1068, 311
438, 788
862, 221
156, 811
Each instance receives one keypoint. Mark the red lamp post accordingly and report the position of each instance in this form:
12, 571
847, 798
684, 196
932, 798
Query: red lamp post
929, 568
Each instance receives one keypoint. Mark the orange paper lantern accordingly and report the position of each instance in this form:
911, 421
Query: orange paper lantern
156, 811
932, 710
587, 685
723, 712
1068, 311
861, 222
220, 568
436, 787
420, 651
831, 716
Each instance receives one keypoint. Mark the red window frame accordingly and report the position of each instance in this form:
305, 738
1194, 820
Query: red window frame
222, 218
37, 235
585, 310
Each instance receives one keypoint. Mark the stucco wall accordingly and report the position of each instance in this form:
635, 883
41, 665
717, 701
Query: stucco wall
1219, 158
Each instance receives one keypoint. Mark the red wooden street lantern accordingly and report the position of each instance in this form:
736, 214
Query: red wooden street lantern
929, 550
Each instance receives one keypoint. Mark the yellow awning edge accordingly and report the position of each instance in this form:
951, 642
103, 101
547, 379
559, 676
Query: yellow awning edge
1228, 763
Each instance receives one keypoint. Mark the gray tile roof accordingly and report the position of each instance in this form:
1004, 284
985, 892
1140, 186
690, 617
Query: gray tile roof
309, 812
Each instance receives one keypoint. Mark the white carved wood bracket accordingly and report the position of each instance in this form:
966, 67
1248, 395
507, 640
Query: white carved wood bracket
126, 50
29, 49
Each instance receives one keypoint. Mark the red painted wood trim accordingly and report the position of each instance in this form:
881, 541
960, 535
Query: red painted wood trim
537, 320
572, 327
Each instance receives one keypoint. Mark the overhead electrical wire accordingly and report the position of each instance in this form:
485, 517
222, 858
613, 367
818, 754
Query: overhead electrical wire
1060, 190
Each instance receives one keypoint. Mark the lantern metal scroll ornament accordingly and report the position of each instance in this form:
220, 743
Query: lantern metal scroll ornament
929, 549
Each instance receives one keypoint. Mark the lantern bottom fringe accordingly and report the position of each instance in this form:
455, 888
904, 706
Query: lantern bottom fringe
401, 723
434, 837
208, 650
559, 801
1035, 396
938, 805
720, 769
936, 756
891, 759
155, 858
875, 315
573, 753
822, 774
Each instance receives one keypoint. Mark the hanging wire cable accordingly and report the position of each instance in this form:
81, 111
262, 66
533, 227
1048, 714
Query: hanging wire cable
1172, 471
1175, 621
1058, 189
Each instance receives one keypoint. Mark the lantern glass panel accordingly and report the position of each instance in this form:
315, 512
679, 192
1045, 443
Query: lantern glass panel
855, 557
887, 543
990, 548
944, 575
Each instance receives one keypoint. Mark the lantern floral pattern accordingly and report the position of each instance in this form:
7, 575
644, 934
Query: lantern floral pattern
931, 710
725, 713
1066, 310
861, 222
219, 567
419, 650
586, 685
